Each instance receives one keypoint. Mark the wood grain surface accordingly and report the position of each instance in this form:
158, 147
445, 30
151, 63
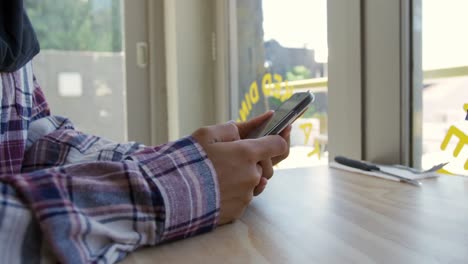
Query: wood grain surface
322, 215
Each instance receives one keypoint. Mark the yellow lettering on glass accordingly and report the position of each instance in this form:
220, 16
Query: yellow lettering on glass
268, 89
254, 96
245, 110
316, 149
288, 92
250, 98
277, 90
462, 141
266, 82
307, 129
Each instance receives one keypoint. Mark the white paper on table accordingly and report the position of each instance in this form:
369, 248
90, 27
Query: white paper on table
401, 172
406, 173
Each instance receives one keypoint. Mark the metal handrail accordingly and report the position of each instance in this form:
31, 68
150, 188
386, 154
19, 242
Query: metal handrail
446, 72
320, 84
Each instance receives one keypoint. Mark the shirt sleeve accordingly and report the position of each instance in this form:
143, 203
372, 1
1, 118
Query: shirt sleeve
99, 211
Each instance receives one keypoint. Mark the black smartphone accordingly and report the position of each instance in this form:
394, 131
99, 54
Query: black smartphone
284, 115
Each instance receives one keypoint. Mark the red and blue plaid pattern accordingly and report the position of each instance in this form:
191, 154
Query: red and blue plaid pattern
22, 101
82, 198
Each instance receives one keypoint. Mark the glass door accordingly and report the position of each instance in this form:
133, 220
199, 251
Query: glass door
444, 89
278, 48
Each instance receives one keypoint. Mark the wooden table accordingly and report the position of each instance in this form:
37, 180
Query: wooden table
322, 215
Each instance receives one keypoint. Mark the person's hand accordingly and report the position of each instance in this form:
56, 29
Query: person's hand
245, 128
237, 164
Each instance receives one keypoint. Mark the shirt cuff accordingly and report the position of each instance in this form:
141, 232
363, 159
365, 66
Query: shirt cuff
188, 187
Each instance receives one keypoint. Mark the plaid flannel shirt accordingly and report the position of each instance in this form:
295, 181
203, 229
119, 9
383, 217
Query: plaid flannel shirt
75, 198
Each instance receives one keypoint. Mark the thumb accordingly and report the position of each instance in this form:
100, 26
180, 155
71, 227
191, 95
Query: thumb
218, 133
225, 132
245, 128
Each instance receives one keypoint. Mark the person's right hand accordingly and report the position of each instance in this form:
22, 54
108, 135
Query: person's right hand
248, 127
236, 164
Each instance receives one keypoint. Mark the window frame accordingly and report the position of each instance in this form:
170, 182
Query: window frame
146, 102
189, 51
368, 119
389, 81
348, 77
137, 93
415, 27
146, 86
346, 134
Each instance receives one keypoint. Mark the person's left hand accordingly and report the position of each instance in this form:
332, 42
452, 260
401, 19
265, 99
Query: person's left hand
245, 128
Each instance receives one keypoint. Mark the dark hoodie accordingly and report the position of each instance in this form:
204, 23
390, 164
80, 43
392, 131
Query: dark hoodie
18, 42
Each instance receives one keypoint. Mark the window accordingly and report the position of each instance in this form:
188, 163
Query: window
279, 48
81, 63
444, 85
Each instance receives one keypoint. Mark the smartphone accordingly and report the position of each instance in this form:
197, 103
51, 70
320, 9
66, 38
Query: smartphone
284, 115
